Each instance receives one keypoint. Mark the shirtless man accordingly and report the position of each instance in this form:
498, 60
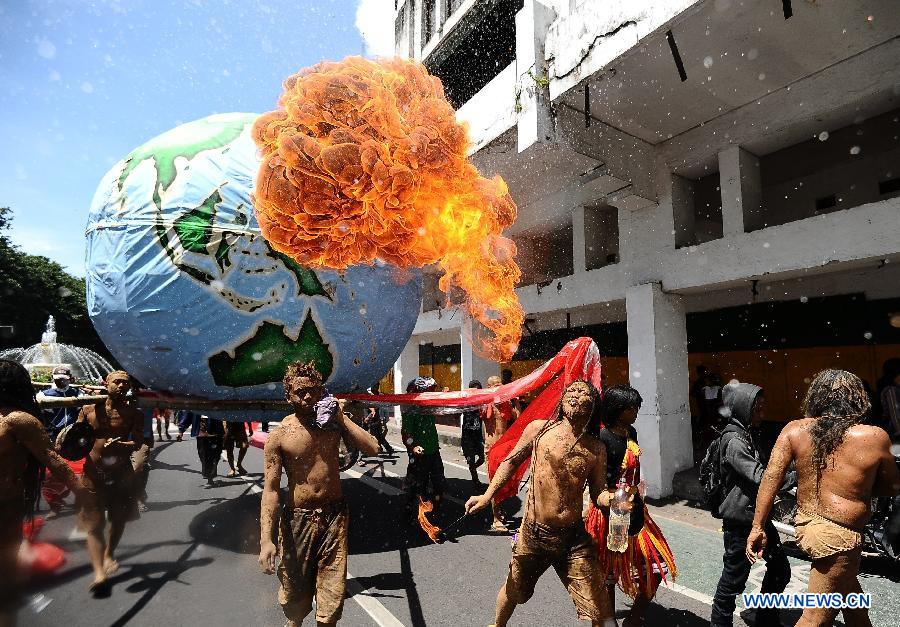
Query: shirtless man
109, 475
24, 448
312, 535
566, 455
496, 418
841, 465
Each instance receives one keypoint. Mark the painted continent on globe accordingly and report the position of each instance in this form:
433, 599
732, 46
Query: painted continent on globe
191, 299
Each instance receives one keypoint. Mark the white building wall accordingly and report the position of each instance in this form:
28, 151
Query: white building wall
642, 171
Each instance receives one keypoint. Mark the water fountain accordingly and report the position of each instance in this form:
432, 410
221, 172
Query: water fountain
86, 365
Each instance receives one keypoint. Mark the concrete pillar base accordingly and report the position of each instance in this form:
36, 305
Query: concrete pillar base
657, 356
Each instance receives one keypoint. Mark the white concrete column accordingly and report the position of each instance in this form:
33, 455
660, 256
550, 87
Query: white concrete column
415, 14
533, 90
741, 187
405, 370
472, 365
657, 359
579, 252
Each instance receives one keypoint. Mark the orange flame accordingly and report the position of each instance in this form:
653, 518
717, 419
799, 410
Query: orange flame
427, 526
363, 162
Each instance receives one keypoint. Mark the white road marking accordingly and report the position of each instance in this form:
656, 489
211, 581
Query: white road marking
401, 447
77, 534
371, 606
691, 594
378, 485
388, 489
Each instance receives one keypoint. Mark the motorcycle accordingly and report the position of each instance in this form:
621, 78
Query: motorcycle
882, 533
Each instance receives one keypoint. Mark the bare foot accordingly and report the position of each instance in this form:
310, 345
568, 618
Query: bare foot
110, 565
231, 473
499, 527
99, 585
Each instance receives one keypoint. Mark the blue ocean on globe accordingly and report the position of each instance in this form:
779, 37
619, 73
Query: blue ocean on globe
190, 298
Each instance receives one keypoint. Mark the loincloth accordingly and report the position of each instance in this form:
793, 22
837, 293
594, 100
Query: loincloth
820, 537
113, 491
313, 547
570, 551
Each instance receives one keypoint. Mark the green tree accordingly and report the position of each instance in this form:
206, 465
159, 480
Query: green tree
32, 288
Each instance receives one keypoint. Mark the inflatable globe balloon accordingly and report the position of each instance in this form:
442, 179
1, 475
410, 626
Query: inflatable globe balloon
189, 297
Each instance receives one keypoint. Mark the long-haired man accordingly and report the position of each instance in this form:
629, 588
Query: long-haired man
566, 455
841, 465
25, 449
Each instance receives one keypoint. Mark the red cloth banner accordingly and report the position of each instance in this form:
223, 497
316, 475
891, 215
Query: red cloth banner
579, 359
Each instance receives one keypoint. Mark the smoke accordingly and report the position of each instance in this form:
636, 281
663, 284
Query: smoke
375, 22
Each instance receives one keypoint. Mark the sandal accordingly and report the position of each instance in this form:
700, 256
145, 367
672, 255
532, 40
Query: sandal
499, 527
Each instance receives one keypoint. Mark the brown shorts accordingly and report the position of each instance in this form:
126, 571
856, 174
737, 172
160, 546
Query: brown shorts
313, 547
572, 554
235, 435
820, 537
114, 492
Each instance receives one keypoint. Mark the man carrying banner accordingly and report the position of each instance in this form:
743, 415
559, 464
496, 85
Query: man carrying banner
566, 454
109, 474
312, 536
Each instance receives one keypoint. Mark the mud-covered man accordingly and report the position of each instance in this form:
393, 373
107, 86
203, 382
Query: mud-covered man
841, 465
313, 525
24, 448
496, 419
566, 455
109, 474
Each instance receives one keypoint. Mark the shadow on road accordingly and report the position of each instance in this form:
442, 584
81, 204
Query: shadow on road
232, 524
152, 577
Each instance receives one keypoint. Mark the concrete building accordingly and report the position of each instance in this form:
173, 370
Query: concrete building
689, 175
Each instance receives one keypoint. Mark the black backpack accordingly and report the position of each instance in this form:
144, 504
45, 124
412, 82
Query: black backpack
712, 479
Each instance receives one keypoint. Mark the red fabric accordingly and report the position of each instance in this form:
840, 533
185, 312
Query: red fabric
572, 362
578, 359
581, 361
40, 559
258, 439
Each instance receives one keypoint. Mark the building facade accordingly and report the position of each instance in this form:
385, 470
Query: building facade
711, 182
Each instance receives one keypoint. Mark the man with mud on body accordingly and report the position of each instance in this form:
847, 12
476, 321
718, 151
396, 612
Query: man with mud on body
312, 535
841, 465
496, 419
109, 474
24, 448
566, 455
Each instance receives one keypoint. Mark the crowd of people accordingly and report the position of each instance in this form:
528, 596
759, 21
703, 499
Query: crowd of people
589, 444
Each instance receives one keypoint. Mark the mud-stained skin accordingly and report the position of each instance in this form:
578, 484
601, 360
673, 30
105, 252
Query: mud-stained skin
119, 430
309, 457
21, 434
565, 460
860, 467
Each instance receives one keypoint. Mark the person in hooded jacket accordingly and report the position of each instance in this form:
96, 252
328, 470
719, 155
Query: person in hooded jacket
742, 471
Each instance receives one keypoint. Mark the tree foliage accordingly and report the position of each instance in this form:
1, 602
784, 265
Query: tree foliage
32, 288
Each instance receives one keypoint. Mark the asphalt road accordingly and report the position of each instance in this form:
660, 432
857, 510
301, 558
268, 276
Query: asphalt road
191, 560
